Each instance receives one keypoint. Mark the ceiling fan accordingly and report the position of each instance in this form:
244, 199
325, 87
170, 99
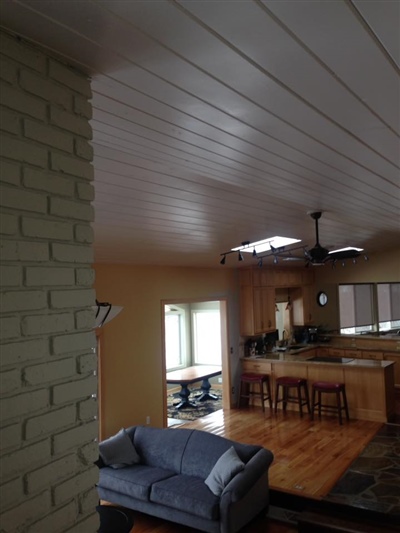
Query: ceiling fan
318, 255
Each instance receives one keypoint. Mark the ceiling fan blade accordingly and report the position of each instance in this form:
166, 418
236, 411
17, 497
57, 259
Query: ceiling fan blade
344, 254
320, 255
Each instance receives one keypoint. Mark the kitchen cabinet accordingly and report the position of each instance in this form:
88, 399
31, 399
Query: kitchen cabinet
276, 277
393, 356
376, 356
264, 309
302, 305
262, 278
257, 297
335, 352
257, 310
352, 353
360, 377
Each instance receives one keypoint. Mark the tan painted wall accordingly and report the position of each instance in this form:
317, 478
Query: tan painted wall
132, 370
383, 267
132, 386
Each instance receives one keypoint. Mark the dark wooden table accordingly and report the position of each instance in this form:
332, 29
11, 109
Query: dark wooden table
192, 374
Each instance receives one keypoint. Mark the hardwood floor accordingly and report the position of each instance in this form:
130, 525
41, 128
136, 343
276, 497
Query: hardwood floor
309, 456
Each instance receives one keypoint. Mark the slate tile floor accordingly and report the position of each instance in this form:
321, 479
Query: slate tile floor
372, 481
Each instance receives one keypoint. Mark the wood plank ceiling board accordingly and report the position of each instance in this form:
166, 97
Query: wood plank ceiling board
218, 122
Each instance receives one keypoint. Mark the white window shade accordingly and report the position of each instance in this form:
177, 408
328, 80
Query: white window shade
356, 305
363, 305
388, 301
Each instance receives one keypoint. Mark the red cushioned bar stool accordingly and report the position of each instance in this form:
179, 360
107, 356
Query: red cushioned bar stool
326, 387
287, 384
247, 382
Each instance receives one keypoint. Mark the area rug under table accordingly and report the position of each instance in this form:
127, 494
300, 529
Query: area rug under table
201, 409
373, 480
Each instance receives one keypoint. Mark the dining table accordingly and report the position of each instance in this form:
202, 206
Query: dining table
193, 374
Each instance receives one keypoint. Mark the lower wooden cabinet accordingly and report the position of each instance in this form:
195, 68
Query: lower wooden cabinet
335, 352
394, 356
376, 356
369, 387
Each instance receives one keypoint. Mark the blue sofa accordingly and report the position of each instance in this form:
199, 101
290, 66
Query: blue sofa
187, 476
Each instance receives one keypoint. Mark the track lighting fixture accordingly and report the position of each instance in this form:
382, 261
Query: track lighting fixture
275, 247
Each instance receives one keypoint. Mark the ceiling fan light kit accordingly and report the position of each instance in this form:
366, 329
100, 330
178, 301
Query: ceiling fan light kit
316, 256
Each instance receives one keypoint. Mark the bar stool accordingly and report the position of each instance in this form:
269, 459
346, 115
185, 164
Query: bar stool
287, 383
339, 389
247, 379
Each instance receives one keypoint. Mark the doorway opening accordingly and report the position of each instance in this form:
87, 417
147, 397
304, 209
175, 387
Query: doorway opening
195, 335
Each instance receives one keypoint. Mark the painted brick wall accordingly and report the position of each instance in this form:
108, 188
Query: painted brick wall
48, 363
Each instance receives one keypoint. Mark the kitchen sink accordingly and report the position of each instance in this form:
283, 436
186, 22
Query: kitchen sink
320, 359
291, 347
297, 346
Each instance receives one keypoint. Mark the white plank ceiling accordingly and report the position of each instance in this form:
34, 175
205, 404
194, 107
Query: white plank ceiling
216, 122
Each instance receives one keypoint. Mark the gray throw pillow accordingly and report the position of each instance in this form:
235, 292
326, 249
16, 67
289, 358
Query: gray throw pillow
227, 466
118, 451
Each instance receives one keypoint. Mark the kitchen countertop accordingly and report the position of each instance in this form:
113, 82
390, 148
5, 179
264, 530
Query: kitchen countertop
301, 355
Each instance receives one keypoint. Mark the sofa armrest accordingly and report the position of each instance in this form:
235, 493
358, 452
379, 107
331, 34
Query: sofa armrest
253, 470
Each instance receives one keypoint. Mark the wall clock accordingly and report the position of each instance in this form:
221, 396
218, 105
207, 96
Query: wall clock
322, 298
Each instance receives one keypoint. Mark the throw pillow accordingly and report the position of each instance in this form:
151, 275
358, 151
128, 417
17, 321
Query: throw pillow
118, 451
227, 466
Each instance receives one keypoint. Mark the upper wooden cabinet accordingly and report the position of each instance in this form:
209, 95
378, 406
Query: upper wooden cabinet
281, 277
302, 305
257, 297
257, 310
264, 309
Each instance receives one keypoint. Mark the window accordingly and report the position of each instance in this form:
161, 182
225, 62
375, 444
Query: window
206, 337
388, 295
175, 353
368, 307
356, 308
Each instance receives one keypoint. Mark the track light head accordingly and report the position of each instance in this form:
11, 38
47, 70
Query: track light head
223, 260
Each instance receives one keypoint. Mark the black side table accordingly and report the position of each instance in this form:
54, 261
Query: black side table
114, 519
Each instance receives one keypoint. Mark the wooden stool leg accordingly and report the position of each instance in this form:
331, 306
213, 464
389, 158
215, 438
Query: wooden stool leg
319, 404
269, 393
339, 407
307, 397
261, 385
312, 404
346, 408
285, 397
240, 394
300, 400
276, 397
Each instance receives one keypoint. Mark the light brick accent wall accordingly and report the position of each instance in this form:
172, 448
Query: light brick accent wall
48, 362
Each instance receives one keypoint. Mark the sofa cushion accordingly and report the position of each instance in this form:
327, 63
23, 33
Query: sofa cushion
204, 449
134, 481
227, 466
187, 493
118, 451
161, 447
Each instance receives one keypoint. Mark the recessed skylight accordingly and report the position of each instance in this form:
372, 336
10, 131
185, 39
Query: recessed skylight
346, 249
265, 244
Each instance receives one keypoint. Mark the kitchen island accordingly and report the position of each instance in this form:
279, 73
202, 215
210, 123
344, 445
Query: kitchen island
369, 383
